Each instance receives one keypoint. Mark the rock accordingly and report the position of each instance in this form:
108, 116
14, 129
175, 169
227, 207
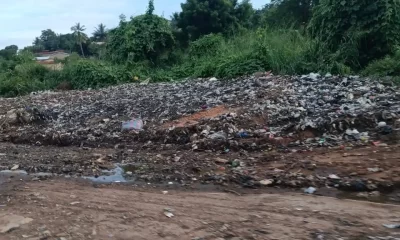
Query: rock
45, 234
9, 222
396, 124
375, 194
224, 228
362, 195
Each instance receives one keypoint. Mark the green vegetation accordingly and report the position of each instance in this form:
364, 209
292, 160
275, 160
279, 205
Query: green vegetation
221, 38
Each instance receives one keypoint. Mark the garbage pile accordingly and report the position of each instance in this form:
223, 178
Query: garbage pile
244, 113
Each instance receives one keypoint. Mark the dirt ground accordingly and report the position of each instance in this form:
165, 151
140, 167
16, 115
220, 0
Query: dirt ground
66, 209
52, 200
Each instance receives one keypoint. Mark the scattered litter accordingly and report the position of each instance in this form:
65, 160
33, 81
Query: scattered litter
15, 167
334, 177
374, 170
391, 226
168, 212
310, 190
382, 124
266, 182
134, 124
145, 82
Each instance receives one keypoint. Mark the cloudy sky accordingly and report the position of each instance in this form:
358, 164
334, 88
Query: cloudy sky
22, 20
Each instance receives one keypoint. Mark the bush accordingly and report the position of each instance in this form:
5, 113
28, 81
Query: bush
205, 46
25, 78
388, 66
94, 74
238, 65
31, 70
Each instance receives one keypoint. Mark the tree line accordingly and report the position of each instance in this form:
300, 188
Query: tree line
228, 38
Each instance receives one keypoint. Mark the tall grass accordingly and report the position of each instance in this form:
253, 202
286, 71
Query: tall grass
282, 51
279, 51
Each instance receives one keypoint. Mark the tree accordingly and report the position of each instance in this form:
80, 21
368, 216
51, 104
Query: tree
371, 27
37, 42
289, 12
80, 36
100, 33
49, 40
201, 17
145, 37
68, 42
150, 8
9, 52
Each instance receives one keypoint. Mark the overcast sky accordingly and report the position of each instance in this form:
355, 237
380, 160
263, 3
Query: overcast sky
23, 20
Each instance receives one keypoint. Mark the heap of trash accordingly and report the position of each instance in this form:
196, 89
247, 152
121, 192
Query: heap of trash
245, 113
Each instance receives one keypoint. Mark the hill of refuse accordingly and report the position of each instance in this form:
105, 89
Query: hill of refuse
249, 113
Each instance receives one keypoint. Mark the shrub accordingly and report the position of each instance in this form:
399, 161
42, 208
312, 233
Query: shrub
206, 45
94, 74
238, 65
11, 86
388, 66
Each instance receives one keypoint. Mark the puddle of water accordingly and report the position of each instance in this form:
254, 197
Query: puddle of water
116, 175
383, 197
392, 197
13, 173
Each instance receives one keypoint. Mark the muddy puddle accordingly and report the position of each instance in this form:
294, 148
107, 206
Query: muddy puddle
376, 196
120, 174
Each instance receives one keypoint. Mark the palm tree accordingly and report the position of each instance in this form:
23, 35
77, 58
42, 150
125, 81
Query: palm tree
81, 37
100, 33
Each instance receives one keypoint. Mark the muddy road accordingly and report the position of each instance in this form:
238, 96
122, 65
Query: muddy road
65, 209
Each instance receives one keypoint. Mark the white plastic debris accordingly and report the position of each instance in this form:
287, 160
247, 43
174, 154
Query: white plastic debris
391, 226
168, 214
334, 177
310, 190
382, 124
266, 182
